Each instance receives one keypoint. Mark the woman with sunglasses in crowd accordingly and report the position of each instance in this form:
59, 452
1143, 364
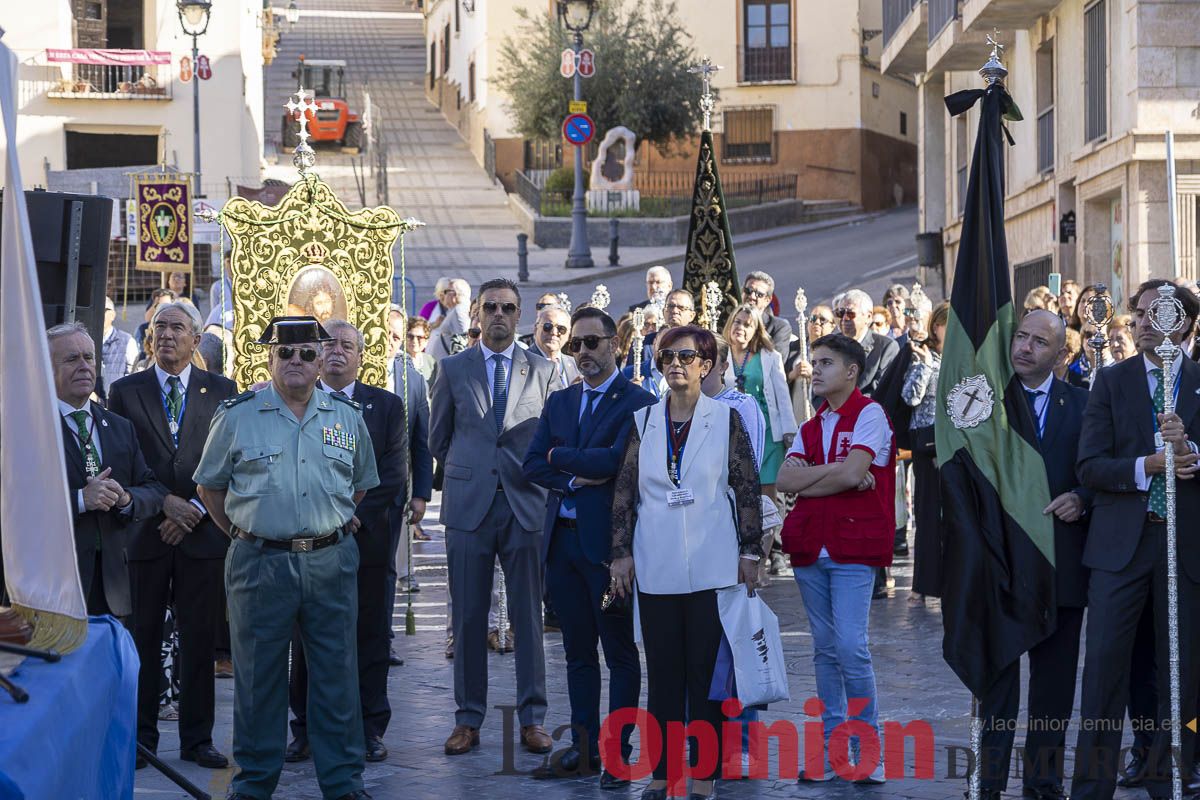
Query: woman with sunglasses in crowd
687, 521
757, 369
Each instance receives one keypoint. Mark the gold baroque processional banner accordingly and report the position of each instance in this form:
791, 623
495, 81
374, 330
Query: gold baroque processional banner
309, 255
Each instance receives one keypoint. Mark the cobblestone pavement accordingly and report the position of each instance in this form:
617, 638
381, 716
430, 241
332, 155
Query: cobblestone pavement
914, 684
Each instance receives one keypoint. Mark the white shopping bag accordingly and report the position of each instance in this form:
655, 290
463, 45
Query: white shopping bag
753, 633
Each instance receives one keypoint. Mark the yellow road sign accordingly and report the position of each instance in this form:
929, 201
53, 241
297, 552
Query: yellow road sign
577, 107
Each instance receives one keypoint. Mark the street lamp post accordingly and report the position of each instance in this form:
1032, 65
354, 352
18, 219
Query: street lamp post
292, 14
193, 17
577, 15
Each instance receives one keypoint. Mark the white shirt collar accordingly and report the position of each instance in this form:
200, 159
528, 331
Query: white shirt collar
348, 390
1044, 388
1150, 365
162, 376
66, 409
489, 352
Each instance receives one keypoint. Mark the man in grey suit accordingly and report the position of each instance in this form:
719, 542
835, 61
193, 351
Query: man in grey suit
549, 335
485, 409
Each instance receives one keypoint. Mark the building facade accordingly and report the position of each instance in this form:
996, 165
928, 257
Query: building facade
100, 95
801, 92
1099, 82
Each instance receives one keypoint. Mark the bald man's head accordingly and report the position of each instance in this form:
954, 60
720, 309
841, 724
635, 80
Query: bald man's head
1037, 346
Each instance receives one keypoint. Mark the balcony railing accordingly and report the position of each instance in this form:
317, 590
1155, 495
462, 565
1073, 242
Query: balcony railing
1045, 140
765, 64
103, 74
941, 14
894, 14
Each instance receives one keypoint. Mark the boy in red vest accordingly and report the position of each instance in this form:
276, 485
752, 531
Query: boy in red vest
842, 467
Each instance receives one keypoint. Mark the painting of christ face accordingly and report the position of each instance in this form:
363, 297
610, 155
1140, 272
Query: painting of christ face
315, 291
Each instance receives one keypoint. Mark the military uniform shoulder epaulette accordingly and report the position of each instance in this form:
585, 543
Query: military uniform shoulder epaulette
239, 398
347, 401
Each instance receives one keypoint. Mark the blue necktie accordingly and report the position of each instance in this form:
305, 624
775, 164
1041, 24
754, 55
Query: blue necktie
499, 391
585, 425
1158, 483
1032, 396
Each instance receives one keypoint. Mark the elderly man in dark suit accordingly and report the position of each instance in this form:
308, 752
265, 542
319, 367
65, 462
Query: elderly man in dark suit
112, 489
576, 454
1120, 458
549, 338
485, 408
759, 288
383, 413
177, 557
852, 311
1057, 408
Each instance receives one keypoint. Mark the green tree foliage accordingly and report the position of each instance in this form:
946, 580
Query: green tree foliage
641, 81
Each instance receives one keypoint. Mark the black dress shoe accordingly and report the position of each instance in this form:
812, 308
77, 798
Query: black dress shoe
1052, 793
1134, 772
297, 751
361, 794
570, 760
140, 762
985, 794
1191, 783
654, 794
205, 755
375, 749
393, 659
609, 781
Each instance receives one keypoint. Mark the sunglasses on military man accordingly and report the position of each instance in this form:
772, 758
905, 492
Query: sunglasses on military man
590, 342
306, 353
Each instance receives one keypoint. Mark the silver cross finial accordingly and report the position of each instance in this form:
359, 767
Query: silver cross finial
994, 71
299, 105
706, 69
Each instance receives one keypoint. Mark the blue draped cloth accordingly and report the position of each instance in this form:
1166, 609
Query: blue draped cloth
76, 737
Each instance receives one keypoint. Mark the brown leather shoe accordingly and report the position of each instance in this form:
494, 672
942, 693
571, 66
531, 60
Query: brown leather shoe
535, 739
463, 739
223, 668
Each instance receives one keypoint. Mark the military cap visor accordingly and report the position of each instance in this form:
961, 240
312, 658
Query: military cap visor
294, 330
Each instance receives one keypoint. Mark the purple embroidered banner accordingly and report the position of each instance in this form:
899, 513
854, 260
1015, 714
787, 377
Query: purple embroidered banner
164, 223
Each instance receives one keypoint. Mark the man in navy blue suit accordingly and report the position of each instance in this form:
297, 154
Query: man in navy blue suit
576, 454
1057, 408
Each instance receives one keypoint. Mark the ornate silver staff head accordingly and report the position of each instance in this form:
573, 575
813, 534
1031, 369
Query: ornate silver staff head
303, 157
1099, 310
801, 302
600, 297
993, 71
639, 322
712, 305
706, 69
564, 302
1168, 318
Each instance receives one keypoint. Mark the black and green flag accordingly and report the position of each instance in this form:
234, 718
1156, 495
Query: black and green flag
710, 244
998, 598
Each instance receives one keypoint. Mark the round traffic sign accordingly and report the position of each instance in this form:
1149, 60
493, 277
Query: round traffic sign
578, 129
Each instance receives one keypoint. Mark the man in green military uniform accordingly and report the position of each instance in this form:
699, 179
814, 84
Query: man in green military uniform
282, 471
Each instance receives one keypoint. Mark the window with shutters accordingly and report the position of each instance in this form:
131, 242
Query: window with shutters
471, 82
1095, 66
766, 41
961, 162
749, 134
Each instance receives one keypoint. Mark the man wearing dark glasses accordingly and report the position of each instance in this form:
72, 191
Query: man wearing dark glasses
282, 473
485, 406
759, 288
575, 454
549, 336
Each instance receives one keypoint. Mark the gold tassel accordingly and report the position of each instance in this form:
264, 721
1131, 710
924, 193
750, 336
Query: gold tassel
54, 631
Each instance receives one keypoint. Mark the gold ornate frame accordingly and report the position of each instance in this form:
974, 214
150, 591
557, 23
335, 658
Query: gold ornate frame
310, 226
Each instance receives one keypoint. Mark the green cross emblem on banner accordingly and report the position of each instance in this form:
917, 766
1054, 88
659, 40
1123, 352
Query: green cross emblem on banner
163, 221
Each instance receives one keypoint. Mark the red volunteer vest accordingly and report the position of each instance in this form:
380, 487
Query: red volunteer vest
854, 527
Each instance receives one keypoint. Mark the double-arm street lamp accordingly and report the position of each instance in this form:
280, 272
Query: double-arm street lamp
577, 16
193, 16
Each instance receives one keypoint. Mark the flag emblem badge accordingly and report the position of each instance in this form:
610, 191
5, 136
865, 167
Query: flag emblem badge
970, 402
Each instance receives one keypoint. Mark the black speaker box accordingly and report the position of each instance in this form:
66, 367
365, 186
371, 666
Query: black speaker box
50, 222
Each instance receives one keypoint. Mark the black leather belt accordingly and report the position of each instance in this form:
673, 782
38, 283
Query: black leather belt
1151, 516
564, 522
304, 544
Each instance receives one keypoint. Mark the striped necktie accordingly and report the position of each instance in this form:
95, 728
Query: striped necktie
499, 391
1158, 484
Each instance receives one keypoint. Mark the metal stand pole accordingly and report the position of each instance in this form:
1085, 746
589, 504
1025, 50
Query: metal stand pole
502, 614
974, 787
196, 113
579, 256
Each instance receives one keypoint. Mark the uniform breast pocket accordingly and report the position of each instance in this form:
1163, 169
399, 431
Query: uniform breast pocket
259, 472
338, 472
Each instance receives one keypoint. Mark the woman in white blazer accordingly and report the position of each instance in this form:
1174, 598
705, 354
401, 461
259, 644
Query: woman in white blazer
686, 521
756, 368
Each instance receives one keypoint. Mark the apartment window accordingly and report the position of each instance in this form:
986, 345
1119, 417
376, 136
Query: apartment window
446, 50
903, 124
457, 18
960, 162
432, 64
1095, 65
471, 82
1045, 107
767, 38
749, 134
